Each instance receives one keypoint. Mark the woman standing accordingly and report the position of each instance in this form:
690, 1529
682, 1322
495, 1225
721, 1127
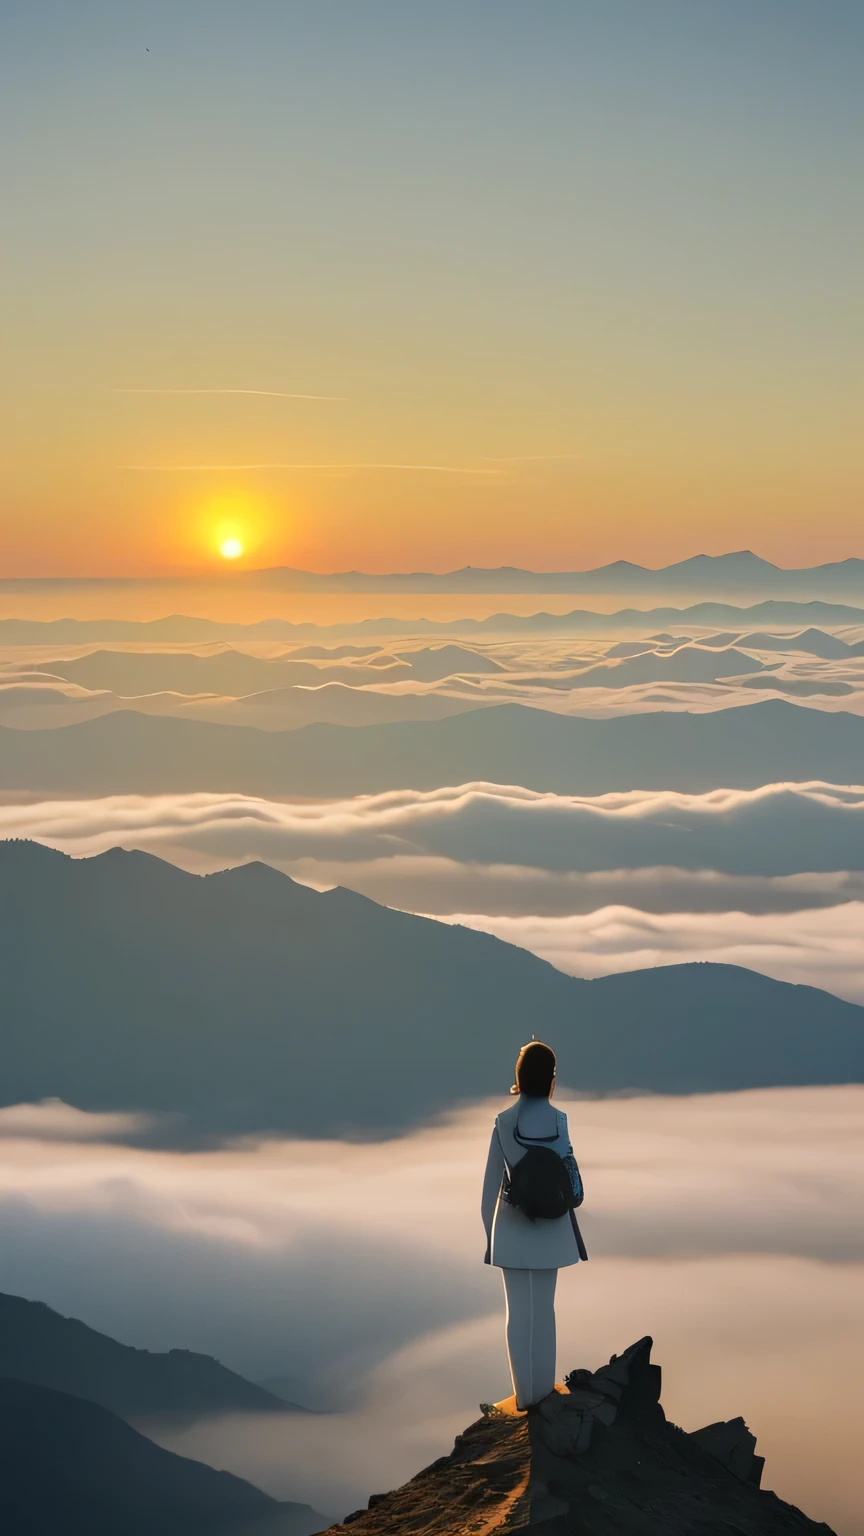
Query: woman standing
530, 1249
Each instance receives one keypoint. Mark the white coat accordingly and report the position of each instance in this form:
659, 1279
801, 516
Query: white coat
513, 1240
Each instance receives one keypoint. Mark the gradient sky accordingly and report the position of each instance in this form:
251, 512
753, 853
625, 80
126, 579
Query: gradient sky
593, 270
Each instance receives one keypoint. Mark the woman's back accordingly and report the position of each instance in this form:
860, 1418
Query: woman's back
527, 1238
516, 1242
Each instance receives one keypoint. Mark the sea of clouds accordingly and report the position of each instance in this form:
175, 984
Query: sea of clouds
564, 674
777, 829
771, 878
729, 1227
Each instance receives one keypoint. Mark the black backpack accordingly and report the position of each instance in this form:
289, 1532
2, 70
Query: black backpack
540, 1184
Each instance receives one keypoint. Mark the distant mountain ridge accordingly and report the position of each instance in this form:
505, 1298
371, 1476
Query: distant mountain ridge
244, 1002
187, 629
68, 1467
233, 672
740, 571
130, 753
39, 1345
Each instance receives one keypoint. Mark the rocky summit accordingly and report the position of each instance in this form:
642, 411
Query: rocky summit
600, 1459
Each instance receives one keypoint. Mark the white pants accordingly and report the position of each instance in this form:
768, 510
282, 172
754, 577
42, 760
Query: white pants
530, 1295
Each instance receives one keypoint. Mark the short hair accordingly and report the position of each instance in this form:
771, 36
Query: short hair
535, 1070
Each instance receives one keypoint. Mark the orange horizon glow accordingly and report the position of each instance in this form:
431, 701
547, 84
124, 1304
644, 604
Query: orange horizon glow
369, 528
583, 297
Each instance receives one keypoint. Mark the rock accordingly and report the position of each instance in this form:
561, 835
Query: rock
598, 1460
733, 1444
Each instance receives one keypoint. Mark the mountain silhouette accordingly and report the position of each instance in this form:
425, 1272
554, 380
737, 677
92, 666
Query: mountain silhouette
131, 673
126, 752
243, 1001
332, 704
40, 1346
600, 1459
739, 571
68, 1467
688, 663
434, 662
812, 642
234, 673
184, 629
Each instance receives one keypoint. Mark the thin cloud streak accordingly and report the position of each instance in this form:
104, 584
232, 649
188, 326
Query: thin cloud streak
432, 469
273, 394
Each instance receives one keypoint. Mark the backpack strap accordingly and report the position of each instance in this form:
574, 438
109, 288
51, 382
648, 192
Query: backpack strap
537, 1141
580, 1242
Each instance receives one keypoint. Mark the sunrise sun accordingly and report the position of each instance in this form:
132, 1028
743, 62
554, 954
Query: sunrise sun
230, 549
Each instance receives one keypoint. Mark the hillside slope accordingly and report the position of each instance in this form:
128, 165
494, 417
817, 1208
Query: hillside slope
243, 1001
740, 748
70, 1468
39, 1346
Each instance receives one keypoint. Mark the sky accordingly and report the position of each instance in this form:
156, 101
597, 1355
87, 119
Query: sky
489, 283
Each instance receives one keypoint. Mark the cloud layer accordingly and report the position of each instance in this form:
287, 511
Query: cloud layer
727, 1226
571, 674
819, 948
778, 830
774, 879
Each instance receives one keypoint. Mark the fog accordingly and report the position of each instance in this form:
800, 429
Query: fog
776, 830
727, 1226
770, 878
777, 1341
566, 677
819, 948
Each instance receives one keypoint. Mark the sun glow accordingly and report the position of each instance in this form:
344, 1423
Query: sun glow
235, 526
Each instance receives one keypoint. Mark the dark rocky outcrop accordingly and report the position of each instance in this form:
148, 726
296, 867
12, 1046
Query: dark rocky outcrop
599, 1460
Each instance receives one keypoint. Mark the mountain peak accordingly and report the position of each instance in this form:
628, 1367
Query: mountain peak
237, 986
600, 1459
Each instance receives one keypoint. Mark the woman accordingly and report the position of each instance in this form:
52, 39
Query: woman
530, 1252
